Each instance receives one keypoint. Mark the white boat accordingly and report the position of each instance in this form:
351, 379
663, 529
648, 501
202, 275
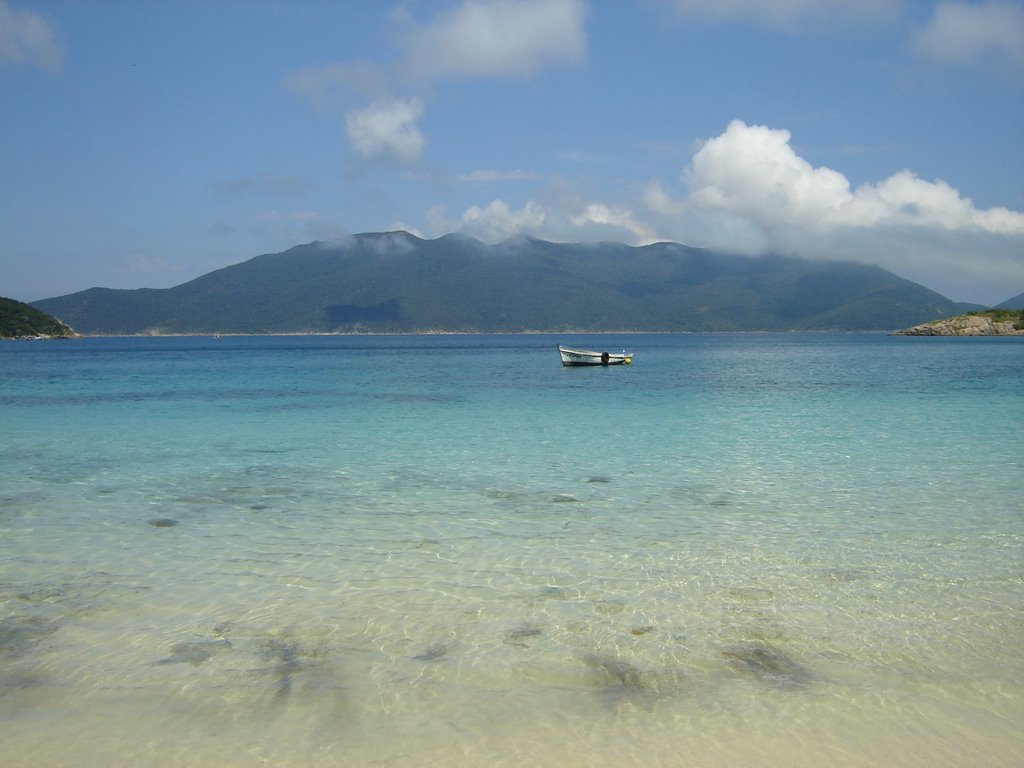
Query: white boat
588, 357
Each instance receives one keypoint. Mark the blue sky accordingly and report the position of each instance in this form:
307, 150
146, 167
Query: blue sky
145, 143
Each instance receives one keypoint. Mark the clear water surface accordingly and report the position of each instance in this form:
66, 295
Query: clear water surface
742, 550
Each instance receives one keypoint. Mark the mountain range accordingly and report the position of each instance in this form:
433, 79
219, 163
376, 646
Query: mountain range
395, 282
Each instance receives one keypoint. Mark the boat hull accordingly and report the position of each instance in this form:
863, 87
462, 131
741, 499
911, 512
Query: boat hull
571, 357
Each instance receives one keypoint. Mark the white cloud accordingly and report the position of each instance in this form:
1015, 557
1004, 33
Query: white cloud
784, 13
386, 130
498, 221
497, 38
477, 38
474, 39
400, 226
27, 38
749, 191
566, 220
683, 221
963, 33
615, 220
753, 173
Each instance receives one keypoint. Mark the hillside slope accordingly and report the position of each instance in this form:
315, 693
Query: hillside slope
396, 282
1017, 302
21, 321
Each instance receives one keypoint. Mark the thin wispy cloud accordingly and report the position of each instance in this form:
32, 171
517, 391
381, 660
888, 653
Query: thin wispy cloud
968, 33
146, 264
785, 13
270, 183
488, 177
495, 38
28, 38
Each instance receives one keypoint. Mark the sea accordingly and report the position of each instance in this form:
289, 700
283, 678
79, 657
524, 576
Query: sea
742, 550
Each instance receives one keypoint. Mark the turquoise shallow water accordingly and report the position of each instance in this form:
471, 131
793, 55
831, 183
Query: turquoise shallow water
743, 550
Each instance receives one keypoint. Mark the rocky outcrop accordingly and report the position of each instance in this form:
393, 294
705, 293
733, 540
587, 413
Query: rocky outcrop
968, 325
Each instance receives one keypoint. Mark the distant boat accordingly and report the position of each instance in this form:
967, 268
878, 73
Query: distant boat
587, 357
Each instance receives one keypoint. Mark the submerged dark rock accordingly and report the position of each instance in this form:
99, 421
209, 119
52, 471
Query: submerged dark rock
767, 663
163, 522
18, 635
519, 636
286, 654
843, 575
615, 673
433, 652
195, 652
19, 682
618, 679
552, 592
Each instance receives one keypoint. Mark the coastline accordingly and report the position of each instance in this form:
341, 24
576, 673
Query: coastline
563, 332
982, 324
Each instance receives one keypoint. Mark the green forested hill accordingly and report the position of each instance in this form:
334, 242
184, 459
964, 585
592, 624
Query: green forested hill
21, 321
395, 282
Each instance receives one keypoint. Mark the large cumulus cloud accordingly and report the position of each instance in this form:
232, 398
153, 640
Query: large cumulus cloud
747, 188
751, 171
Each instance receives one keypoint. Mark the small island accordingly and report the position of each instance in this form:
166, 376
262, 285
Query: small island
20, 321
994, 322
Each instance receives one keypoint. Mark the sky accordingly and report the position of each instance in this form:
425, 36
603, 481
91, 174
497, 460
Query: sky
144, 143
